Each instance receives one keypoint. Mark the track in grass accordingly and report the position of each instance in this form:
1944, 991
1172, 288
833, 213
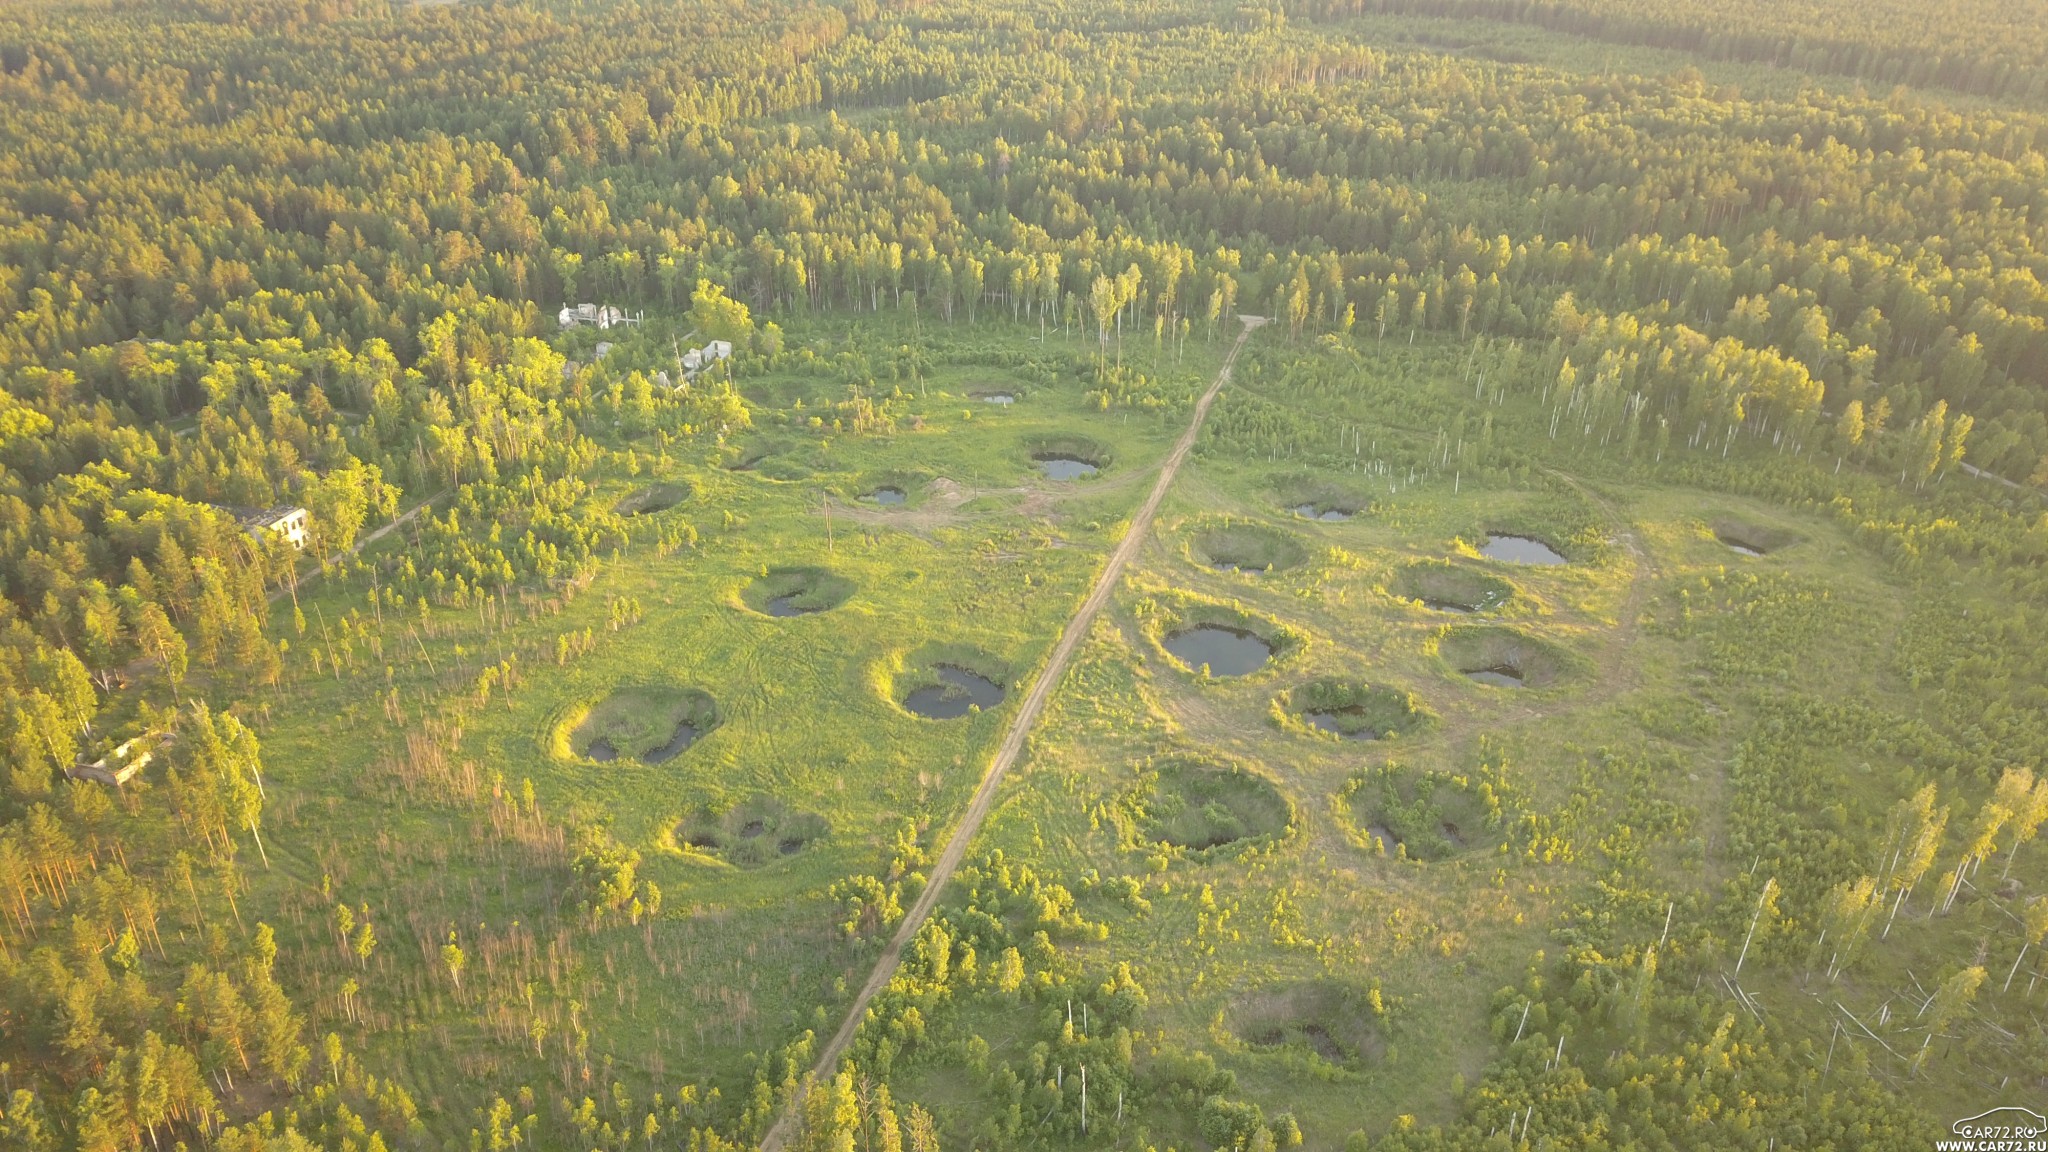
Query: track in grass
1008, 751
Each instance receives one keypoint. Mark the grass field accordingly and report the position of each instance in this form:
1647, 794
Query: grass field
1327, 918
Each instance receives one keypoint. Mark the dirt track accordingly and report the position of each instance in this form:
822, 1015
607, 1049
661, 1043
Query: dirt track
1008, 751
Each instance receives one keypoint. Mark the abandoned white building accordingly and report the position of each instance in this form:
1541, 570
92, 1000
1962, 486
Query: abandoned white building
595, 316
119, 766
698, 359
288, 522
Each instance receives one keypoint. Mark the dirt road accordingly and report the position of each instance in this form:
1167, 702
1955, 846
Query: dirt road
1009, 750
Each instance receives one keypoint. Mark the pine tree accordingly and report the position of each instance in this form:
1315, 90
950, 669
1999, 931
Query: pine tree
831, 1116
23, 1126
150, 1103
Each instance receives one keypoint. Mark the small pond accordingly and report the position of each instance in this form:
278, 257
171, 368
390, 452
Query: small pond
1061, 467
958, 692
685, 735
1224, 651
885, 496
1234, 566
756, 833
1739, 546
601, 750
1334, 720
786, 592
1499, 676
1326, 514
1002, 399
1521, 550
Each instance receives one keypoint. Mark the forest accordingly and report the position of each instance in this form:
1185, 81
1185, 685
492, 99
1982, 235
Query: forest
1574, 684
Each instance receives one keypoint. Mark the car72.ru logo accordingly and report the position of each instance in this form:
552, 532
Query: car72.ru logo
2009, 1129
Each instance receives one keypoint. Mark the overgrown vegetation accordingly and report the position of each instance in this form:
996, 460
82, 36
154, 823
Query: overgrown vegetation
518, 809
1195, 807
1349, 709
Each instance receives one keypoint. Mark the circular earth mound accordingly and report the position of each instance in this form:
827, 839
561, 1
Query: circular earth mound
1313, 499
1350, 710
1752, 539
651, 499
1389, 813
1447, 587
1503, 657
752, 833
786, 592
1200, 806
649, 723
1246, 548
1069, 457
1334, 1021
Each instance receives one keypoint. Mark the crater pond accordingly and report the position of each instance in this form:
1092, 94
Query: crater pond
1060, 467
1223, 651
1742, 546
685, 735
958, 692
1521, 550
1334, 721
1324, 513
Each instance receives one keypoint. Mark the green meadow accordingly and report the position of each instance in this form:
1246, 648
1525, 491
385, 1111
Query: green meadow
799, 716
1323, 915
937, 576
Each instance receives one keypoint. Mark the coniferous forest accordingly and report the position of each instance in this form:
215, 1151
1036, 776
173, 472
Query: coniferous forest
925, 576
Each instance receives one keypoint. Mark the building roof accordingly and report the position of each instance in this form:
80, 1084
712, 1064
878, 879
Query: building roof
121, 765
271, 517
